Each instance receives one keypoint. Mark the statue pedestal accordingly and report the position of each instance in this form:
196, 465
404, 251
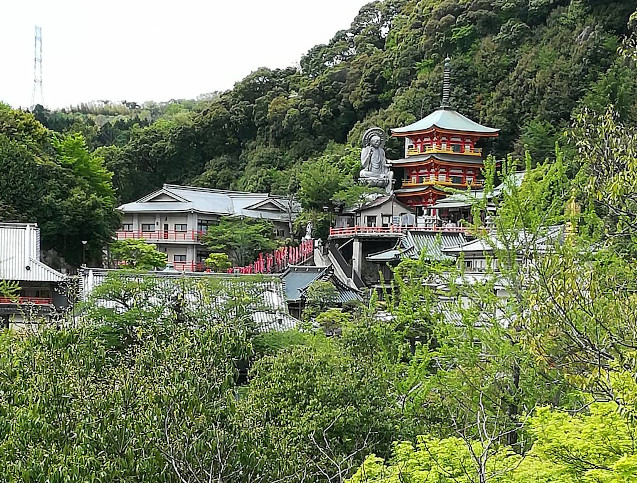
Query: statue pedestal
374, 182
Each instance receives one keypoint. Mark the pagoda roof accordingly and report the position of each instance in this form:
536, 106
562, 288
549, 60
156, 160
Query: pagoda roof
421, 189
446, 119
444, 157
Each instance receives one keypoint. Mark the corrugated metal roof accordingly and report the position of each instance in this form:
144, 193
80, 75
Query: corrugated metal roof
20, 254
174, 198
449, 119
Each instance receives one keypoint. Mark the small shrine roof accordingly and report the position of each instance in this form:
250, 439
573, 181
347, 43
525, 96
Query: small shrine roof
446, 119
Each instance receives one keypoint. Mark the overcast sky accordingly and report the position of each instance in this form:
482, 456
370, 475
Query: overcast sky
141, 50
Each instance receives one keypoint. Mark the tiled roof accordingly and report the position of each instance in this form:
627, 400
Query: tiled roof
446, 157
433, 244
446, 118
381, 200
208, 295
297, 278
413, 243
175, 198
520, 241
469, 197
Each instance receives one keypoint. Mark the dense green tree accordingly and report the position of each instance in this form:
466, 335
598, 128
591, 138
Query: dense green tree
57, 183
241, 238
218, 262
134, 380
319, 297
137, 254
315, 411
594, 446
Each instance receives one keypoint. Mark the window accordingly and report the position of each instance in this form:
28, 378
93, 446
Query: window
127, 227
280, 233
181, 227
456, 148
148, 227
370, 220
456, 179
385, 220
179, 258
202, 225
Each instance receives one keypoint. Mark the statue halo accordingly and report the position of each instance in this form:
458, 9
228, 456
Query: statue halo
374, 131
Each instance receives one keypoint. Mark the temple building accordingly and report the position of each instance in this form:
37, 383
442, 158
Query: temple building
440, 152
175, 217
42, 290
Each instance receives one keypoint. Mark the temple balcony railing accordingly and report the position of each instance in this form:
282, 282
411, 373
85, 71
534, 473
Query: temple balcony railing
189, 266
446, 150
390, 231
179, 266
161, 235
444, 181
26, 301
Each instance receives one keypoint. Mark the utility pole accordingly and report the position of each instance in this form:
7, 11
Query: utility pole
84, 242
37, 69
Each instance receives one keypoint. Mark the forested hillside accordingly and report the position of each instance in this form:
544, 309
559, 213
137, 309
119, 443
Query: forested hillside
526, 67
520, 370
522, 66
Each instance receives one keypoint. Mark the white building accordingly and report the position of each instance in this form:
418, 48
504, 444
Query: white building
175, 217
41, 287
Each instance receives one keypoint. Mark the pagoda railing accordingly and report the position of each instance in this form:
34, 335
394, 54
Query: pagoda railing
26, 300
448, 150
391, 230
161, 235
444, 181
278, 260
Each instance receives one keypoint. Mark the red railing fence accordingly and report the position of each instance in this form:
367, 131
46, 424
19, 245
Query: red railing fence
279, 259
170, 235
392, 229
26, 300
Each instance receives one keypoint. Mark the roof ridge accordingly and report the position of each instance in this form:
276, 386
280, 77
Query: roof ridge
212, 190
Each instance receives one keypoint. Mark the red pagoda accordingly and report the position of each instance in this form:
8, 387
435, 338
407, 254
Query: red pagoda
440, 152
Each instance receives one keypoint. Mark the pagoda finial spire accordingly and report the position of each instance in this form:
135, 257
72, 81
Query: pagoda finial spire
446, 83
